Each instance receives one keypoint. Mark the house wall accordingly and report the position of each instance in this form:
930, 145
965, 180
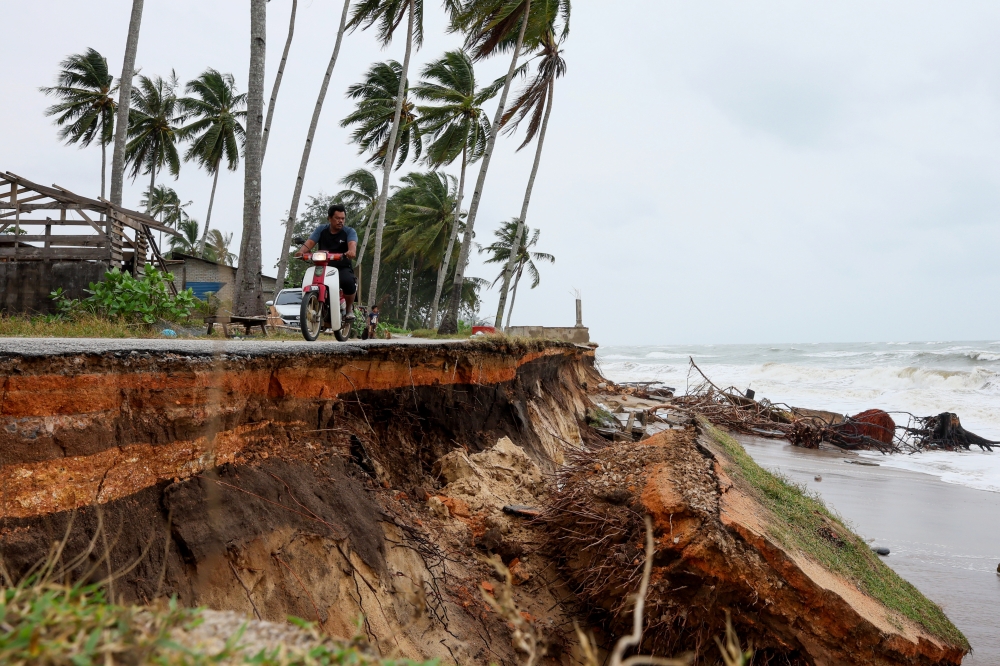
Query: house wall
25, 285
204, 276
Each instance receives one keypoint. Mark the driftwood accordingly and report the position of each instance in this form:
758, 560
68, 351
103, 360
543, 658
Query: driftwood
870, 430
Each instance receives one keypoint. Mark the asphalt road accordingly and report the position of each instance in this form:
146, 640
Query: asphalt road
63, 346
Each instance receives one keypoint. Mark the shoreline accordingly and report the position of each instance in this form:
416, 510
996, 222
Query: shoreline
941, 535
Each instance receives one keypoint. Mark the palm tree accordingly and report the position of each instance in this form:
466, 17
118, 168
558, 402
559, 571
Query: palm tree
492, 27
218, 247
373, 116
86, 110
187, 242
458, 125
162, 204
389, 14
293, 209
360, 193
124, 100
216, 132
153, 128
248, 294
425, 214
500, 253
534, 101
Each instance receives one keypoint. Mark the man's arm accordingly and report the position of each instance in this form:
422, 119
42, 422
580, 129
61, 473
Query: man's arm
311, 243
308, 245
352, 243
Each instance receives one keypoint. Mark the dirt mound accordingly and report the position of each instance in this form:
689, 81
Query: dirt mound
799, 586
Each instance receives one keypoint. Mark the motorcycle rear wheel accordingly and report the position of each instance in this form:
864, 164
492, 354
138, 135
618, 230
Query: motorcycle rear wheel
344, 333
311, 316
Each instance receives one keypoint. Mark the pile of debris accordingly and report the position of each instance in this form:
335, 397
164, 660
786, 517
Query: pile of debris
873, 429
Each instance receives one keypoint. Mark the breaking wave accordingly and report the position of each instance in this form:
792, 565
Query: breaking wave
915, 377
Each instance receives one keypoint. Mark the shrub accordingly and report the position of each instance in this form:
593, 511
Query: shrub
140, 300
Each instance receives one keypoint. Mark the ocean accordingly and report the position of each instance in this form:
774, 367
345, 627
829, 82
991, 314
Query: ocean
920, 378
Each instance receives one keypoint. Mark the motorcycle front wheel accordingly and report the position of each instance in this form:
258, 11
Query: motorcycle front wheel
311, 316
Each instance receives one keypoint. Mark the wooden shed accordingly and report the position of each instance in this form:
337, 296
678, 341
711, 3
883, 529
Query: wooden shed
51, 237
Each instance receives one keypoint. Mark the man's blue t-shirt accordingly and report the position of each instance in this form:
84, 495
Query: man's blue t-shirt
352, 235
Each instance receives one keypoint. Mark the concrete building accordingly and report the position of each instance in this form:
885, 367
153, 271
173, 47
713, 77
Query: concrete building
204, 277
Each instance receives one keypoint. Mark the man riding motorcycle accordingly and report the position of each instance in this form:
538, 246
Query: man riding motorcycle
342, 243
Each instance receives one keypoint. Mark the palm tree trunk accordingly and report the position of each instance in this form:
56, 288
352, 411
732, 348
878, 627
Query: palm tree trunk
368, 231
293, 209
361, 252
208, 215
518, 235
383, 196
149, 207
409, 293
277, 82
104, 168
449, 323
247, 297
513, 296
124, 97
446, 261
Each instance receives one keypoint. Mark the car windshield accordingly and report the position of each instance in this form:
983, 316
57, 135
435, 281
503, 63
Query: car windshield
289, 298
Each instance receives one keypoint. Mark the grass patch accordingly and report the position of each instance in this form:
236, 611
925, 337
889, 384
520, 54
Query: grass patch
82, 325
432, 334
803, 522
77, 626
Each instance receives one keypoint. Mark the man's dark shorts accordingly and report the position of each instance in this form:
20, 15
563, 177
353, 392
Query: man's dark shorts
348, 282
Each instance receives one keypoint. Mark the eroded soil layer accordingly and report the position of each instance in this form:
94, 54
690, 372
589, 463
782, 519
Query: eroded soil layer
280, 485
369, 482
720, 553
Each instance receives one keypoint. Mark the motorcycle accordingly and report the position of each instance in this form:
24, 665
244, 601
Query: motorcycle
316, 312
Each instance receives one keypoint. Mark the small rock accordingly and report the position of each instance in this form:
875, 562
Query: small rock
437, 507
880, 550
518, 572
819, 477
602, 386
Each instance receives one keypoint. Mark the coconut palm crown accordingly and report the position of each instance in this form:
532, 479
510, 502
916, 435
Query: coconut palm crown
375, 104
154, 125
454, 116
86, 110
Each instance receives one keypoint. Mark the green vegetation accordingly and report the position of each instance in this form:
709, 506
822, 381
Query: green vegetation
80, 325
803, 522
56, 624
120, 295
464, 331
601, 418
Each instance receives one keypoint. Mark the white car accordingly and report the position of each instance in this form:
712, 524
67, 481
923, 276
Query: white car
288, 303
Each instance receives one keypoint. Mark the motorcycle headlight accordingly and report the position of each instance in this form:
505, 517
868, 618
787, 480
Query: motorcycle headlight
319, 257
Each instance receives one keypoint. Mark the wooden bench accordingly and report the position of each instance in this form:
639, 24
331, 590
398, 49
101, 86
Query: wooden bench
246, 322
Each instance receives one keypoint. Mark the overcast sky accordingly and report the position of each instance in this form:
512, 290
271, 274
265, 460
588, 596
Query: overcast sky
714, 171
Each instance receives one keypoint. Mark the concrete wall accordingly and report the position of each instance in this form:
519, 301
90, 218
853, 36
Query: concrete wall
25, 285
577, 334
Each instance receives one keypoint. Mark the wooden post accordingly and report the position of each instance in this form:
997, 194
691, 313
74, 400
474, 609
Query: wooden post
114, 239
17, 215
140, 253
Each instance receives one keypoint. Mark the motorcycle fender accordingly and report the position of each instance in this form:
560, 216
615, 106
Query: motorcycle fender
332, 281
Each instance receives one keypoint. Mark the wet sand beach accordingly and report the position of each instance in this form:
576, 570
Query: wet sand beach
944, 538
